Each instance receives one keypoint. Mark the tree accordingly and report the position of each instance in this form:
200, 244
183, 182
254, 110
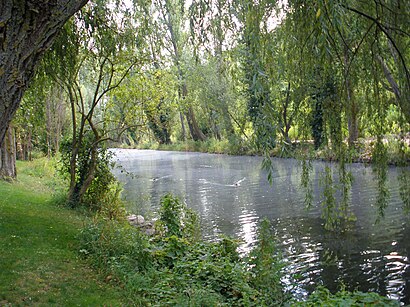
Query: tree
254, 18
100, 51
8, 156
212, 35
27, 30
146, 99
172, 14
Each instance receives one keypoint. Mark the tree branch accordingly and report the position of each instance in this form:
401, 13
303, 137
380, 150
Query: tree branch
384, 30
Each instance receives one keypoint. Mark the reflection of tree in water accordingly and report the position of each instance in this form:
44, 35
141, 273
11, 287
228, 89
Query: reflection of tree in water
354, 259
362, 257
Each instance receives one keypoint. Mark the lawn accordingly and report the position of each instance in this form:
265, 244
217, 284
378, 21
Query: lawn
39, 260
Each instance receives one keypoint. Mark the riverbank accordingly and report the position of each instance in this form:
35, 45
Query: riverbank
39, 261
398, 149
44, 244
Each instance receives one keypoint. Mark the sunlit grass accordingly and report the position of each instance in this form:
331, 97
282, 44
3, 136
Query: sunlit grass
39, 263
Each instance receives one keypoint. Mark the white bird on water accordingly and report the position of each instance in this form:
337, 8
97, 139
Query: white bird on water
158, 178
238, 183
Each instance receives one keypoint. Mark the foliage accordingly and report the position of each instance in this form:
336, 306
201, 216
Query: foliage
103, 178
175, 219
265, 268
332, 71
115, 247
176, 267
323, 297
110, 204
237, 147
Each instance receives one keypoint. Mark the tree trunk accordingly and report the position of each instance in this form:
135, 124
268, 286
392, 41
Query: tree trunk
8, 156
196, 133
403, 102
286, 119
183, 133
27, 30
352, 109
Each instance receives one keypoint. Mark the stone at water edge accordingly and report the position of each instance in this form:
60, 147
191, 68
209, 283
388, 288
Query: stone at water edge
136, 219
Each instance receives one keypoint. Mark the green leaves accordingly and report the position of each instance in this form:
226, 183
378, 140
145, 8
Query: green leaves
380, 168
175, 268
323, 297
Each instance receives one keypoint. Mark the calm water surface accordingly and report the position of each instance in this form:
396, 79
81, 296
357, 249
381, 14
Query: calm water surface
232, 195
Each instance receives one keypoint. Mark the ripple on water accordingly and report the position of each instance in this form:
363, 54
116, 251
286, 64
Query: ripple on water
369, 257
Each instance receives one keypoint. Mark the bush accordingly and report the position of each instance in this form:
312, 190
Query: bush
176, 219
115, 247
102, 178
323, 297
176, 267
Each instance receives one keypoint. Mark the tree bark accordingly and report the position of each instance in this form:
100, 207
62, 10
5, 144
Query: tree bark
286, 122
403, 102
8, 156
353, 109
27, 30
183, 133
196, 133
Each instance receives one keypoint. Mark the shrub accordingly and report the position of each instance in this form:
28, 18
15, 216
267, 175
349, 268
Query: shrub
115, 247
84, 166
323, 297
175, 218
176, 267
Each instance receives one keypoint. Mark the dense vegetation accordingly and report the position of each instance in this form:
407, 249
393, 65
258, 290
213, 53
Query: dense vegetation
258, 75
319, 80
42, 241
176, 267
324, 79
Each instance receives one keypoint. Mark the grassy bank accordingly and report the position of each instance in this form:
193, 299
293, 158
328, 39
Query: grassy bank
208, 146
41, 244
39, 261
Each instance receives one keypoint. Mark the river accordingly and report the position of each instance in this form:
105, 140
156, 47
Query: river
232, 194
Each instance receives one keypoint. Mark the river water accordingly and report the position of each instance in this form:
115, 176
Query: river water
232, 194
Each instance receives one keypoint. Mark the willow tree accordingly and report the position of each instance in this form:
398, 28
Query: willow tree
364, 47
27, 30
102, 46
359, 39
213, 35
173, 17
254, 17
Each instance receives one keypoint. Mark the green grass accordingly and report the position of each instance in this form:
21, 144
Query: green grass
39, 261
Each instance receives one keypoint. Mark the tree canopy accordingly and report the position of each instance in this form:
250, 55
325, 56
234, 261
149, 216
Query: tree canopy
327, 79
27, 30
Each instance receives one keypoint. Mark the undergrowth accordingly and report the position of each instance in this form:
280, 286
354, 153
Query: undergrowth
175, 267
398, 149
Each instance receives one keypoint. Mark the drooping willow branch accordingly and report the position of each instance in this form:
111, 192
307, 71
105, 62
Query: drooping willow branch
384, 30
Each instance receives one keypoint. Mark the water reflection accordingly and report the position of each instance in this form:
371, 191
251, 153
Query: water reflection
232, 195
